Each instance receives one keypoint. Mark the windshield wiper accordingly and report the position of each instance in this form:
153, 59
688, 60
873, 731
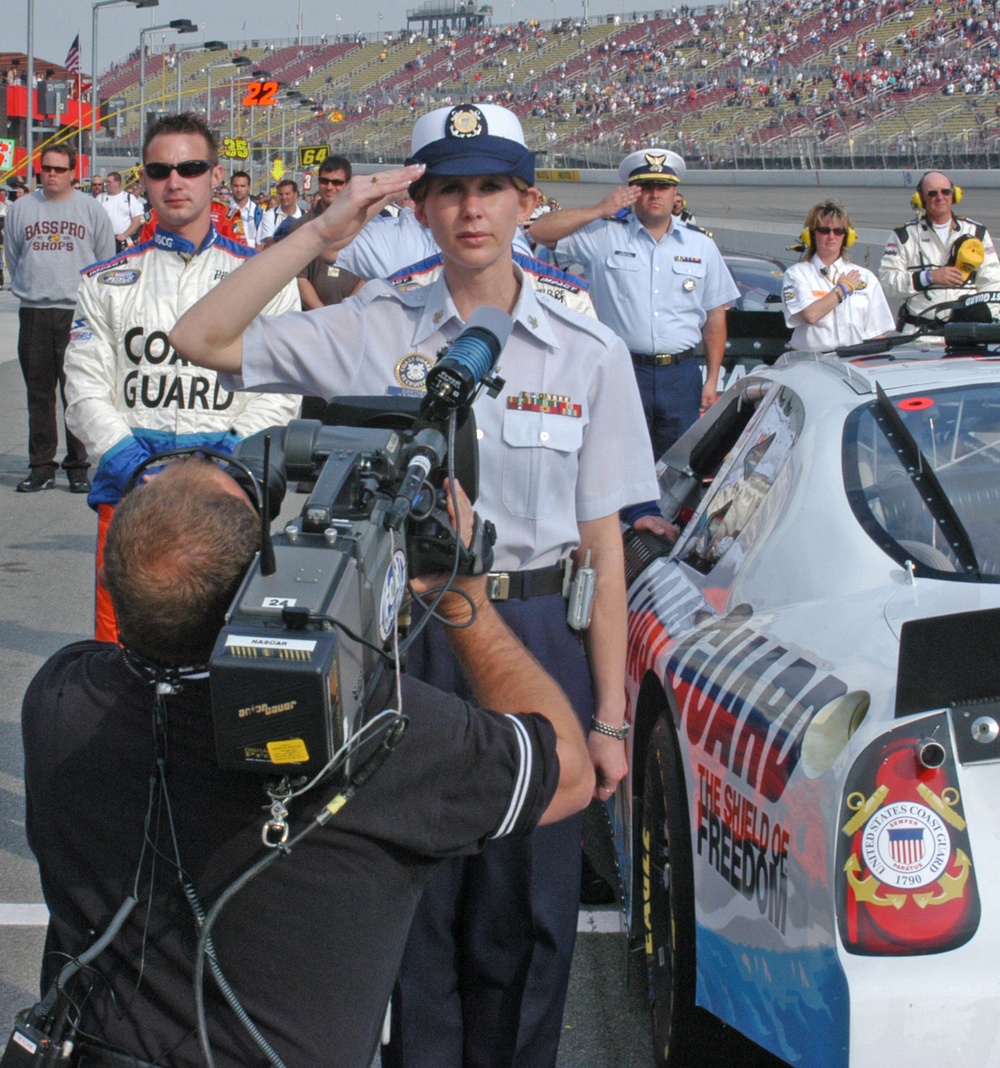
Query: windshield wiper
924, 478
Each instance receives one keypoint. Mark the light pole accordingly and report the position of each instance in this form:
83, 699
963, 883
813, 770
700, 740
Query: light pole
235, 61
181, 26
29, 133
209, 46
93, 69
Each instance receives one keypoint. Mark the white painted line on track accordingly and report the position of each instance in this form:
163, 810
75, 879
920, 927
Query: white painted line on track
22, 915
603, 922
17, 915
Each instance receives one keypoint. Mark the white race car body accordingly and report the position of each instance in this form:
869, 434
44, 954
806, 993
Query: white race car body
819, 651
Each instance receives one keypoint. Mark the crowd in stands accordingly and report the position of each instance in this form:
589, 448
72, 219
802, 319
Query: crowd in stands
829, 64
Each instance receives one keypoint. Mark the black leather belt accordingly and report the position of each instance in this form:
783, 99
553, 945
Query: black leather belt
520, 585
660, 359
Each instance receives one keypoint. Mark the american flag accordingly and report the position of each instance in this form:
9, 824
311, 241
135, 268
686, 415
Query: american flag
72, 63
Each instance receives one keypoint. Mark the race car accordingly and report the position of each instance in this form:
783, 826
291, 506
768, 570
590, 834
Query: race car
755, 323
807, 837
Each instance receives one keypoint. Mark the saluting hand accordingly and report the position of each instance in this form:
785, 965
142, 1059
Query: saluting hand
623, 197
363, 197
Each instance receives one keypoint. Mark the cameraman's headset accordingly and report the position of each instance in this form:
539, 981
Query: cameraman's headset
917, 200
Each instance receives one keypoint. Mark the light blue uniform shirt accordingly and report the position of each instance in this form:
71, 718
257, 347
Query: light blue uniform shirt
563, 443
655, 295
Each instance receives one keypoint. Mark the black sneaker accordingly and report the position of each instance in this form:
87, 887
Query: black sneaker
78, 482
36, 481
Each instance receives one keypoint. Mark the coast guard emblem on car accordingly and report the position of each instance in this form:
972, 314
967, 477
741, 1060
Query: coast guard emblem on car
904, 853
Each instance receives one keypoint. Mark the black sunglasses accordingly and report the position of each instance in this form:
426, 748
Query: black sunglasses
47, 168
824, 230
190, 168
939, 192
332, 181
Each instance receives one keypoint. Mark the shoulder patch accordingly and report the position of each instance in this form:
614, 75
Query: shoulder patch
118, 277
902, 233
698, 229
119, 259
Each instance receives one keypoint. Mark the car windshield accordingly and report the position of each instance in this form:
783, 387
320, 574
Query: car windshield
759, 283
947, 520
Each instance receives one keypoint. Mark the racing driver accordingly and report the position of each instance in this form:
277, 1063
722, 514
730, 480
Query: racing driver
129, 395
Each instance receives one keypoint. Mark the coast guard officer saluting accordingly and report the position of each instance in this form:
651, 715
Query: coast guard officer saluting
659, 283
561, 450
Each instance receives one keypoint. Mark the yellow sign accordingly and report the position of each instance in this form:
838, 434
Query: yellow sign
336, 116
309, 157
542, 175
235, 148
277, 170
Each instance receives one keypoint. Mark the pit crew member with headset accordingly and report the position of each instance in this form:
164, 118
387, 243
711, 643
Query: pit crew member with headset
938, 256
827, 300
561, 450
660, 284
128, 393
124, 796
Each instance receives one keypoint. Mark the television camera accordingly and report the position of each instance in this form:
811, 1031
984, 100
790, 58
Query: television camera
291, 672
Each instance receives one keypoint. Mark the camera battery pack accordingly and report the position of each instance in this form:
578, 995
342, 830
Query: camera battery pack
28, 1047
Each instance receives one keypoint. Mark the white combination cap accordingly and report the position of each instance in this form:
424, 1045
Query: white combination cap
652, 165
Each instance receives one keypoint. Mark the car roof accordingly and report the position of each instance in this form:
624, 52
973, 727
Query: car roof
921, 366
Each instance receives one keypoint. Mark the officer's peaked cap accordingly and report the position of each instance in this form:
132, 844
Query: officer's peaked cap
472, 139
652, 165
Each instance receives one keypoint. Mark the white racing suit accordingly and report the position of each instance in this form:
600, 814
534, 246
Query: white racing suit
129, 395
915, 248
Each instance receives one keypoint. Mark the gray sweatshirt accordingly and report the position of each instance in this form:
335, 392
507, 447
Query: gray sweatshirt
49, 242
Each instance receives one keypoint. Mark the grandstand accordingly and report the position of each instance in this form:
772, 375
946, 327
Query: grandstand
770, 84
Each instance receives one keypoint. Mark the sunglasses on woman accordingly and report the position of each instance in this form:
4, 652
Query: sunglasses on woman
827, 230
190, 168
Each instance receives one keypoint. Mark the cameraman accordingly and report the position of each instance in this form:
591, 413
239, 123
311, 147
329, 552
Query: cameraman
311, 946
561, 450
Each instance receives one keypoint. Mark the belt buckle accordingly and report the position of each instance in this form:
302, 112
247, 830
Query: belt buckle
663, 359
498, 585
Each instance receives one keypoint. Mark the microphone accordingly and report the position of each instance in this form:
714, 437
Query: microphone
453, 381
429, 448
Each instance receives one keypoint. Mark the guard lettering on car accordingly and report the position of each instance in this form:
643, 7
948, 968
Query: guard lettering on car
746, 698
